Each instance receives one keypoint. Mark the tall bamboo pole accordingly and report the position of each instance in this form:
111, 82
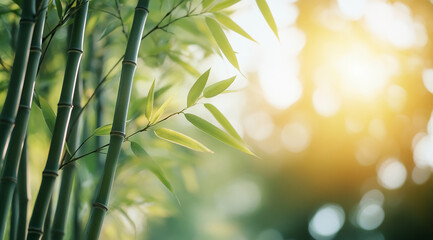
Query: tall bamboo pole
117, 134
23, 194
10, 168
10, 106
62, 121
62, 209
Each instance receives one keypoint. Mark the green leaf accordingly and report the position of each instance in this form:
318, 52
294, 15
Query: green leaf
152, 165
149, 102
230, 24
67, 149
109, 29
266, 12
197, 88
224, 4
217, 133
180, 139
59, 9
222, 120
104, 130
206, 3
185, 65
155, 117
48, 113
217, 88
222, 41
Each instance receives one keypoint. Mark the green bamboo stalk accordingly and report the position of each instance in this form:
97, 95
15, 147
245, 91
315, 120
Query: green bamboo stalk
10, 106
99, 110
76, 234
10, 168
62, 121
48, 220
23, 194
61, 214
117, 134
14, 217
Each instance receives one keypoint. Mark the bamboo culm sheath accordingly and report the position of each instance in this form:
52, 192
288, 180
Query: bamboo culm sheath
10, 168
10, 106
62, 209
117, 135
64, 109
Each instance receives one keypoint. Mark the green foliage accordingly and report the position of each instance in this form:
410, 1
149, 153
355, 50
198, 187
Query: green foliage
180, 139
48, 113
217, 88
217, 133
266, 12
149, 102
196, 89
222, 41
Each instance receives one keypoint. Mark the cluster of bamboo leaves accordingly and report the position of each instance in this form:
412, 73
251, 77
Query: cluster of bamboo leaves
96, 38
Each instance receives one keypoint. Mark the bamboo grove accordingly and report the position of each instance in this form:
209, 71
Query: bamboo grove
76, 53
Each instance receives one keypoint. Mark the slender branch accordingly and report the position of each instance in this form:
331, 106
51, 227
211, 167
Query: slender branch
72, 159
121, 19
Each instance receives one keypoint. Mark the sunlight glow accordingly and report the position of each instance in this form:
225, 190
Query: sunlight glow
327, 221
326, 101
296, 137
362, 73
259, 125
370, 216
427, 78
420, 175
395, 24
392, 174
354, 9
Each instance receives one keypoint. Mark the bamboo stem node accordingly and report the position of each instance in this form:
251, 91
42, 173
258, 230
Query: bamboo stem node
117, 133
129, 62
100, 206
9, 179
71, 50
65, 105
49, 173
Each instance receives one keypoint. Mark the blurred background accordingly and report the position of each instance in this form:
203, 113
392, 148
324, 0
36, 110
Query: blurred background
338, 109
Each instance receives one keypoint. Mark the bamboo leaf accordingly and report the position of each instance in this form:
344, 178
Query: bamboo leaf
149, 102
196, 89
222, 120
59, 9
184, 64
266, 12
109, 29
217, 88
48, 113
206, 3
152, 165
180, 139
217, 133
224, 4
230, 24
222, 41
155, 117
104, 130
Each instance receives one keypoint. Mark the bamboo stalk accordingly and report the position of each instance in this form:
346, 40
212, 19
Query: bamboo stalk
10, 106
62, 209
23, 194
10, 168
62, 121
117, 134
14, 217
48, 220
